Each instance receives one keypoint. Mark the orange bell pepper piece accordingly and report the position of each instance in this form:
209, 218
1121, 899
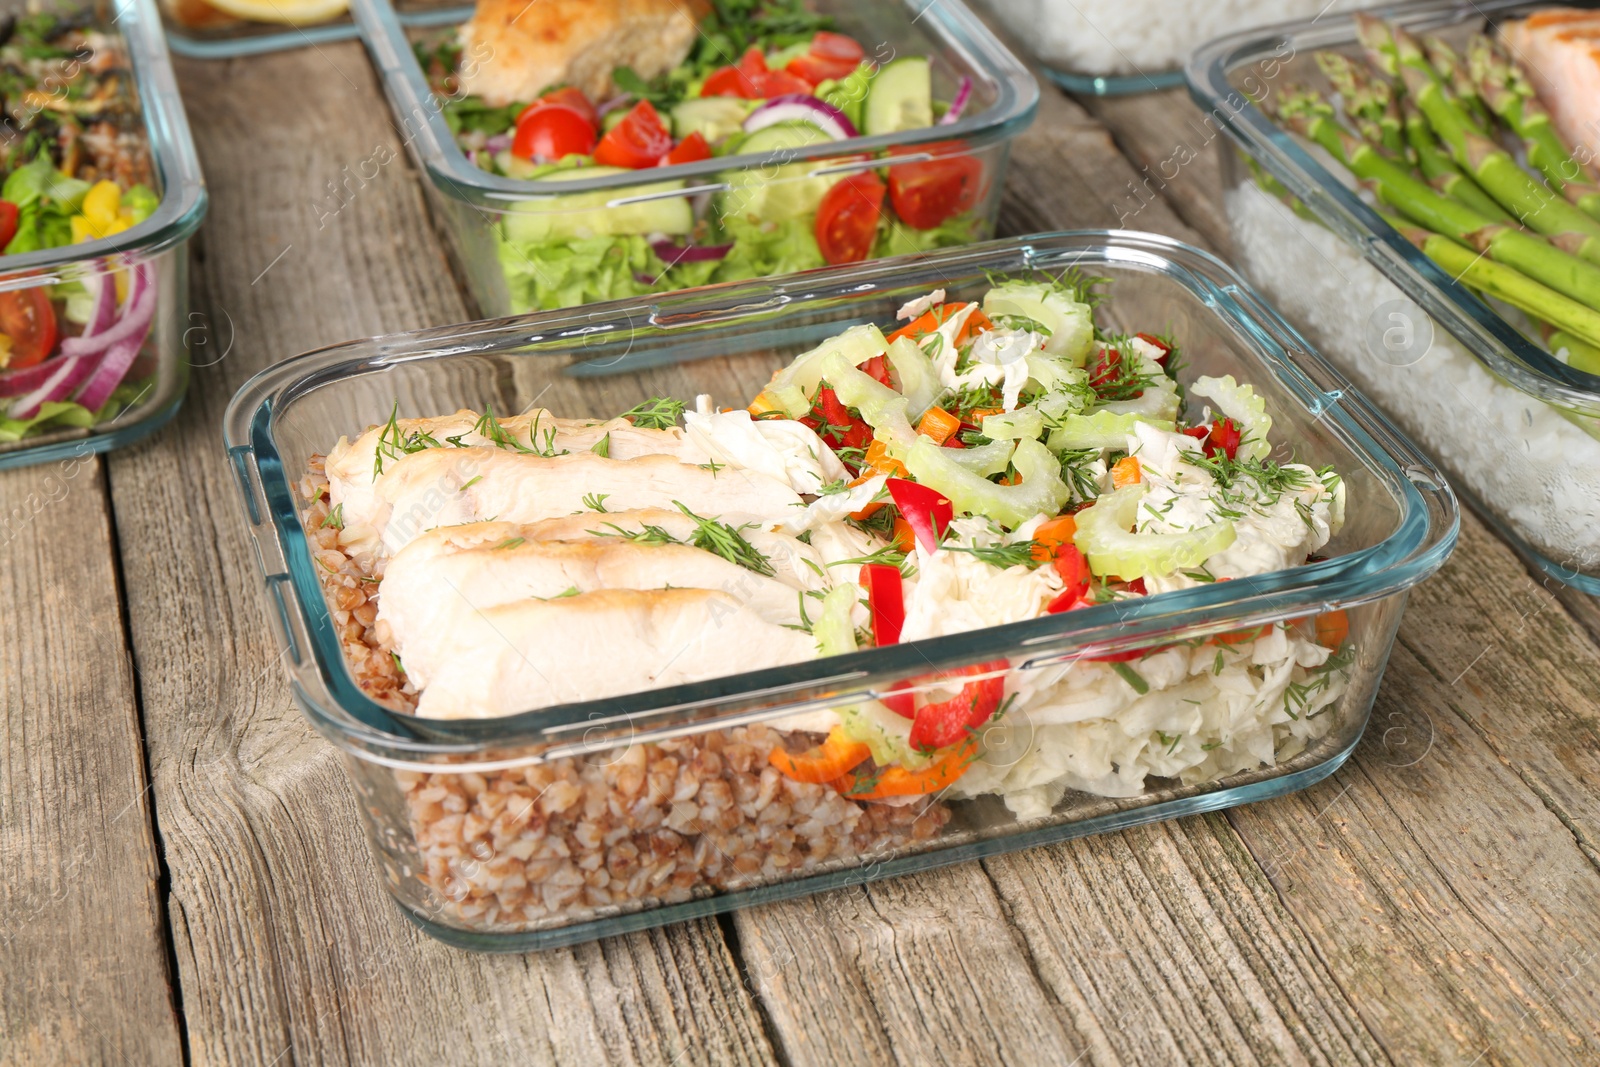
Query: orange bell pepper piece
1051, 535
904, 537
976, 323
1126, 472
834, 758
1333, 629
938, 425
878, 461
928, 322
899, 782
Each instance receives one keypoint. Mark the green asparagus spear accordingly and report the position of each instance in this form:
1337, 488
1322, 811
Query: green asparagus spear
1453, 72
1534, 257
1580, 354
1508, 285
1492, 166
1440, 170
1370, 102
1379, 43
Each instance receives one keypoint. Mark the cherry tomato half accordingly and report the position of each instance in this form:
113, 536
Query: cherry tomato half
639, 140
928, 193
8, 222
574, 99
28, 319
692, 149
847, 218
548, 132
832, 55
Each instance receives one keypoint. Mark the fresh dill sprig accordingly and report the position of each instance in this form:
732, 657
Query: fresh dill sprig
1017, 554
726, 541
335, 517
1132, 677
511, 542
657, 413
489, 428
595, 501
602, 447
393, 443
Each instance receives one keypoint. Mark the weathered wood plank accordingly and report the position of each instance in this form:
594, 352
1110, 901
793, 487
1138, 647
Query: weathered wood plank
83, 955
286, 946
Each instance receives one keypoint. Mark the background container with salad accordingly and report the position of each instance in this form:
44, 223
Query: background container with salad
593, 817
100, 193
1470, 210
776, 137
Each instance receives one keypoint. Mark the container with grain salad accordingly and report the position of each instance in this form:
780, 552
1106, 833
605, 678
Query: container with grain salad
907, 564
642, 146
1434, 168
99, 191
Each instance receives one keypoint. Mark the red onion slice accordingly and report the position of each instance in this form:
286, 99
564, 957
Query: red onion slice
104, 308
27, 379
673, 253
137, 312
799, 107
959, 104
110, 371
69, 371
497, 144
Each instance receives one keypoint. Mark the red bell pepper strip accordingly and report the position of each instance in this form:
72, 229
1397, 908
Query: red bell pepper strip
885, 600
928, 511
878, 369
945, 722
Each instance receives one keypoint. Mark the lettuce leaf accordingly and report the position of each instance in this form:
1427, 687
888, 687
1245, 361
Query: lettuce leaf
565, 272
761, 249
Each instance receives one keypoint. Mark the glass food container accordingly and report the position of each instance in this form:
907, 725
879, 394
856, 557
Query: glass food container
149, 375
524, 245
200, 30
1517, 430
1135, 46
579, 821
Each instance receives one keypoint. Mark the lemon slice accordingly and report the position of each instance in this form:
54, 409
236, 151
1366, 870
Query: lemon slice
289, 12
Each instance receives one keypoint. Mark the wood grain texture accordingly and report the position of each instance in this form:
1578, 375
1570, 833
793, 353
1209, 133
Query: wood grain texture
83, 957
287, 947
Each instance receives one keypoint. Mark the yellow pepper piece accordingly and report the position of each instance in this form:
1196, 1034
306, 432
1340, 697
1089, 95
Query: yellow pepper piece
83, 230
117, 225
101, 202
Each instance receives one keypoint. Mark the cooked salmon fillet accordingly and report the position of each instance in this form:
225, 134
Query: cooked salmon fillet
535, 653
512, 50
1560, 47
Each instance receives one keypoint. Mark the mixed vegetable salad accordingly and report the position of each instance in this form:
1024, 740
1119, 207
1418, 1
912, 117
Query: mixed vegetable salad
764, 76
984, 463
76, 168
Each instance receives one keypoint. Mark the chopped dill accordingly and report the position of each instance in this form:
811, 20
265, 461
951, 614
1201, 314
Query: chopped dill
470, 482
657, 413
335, 517
602, 447
511, 542
1132, 677
1018, 554
833, 488
595, 501
713, 467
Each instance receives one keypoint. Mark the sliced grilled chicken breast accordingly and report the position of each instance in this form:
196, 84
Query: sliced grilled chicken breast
535, 653
1560, 48
450, 486
456, 571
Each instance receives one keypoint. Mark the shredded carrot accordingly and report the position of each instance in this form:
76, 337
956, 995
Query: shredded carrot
927, 322
1125, 472
867, 512
938, 425
835, 757
904, 537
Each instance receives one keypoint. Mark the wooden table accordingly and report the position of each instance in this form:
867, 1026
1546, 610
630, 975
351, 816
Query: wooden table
184, 877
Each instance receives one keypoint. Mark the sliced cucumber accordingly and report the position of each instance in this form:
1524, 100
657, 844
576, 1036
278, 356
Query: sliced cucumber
777, 193
713, 117
586, 214
901, 97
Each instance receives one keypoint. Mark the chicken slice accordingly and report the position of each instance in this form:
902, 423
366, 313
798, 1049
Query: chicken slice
536, 653
794, 562
1560, 49
451, 486
353, 466
458, 570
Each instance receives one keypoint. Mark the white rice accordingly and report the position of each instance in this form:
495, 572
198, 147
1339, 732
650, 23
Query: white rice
1535, 469
1140, 36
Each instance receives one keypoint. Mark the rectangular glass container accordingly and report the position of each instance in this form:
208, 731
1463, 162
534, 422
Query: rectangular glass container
493, 221
1517, 430
156, 246
198, 30
469, 820
1119, 47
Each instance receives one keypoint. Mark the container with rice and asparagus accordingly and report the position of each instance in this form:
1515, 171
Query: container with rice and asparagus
1433, 164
